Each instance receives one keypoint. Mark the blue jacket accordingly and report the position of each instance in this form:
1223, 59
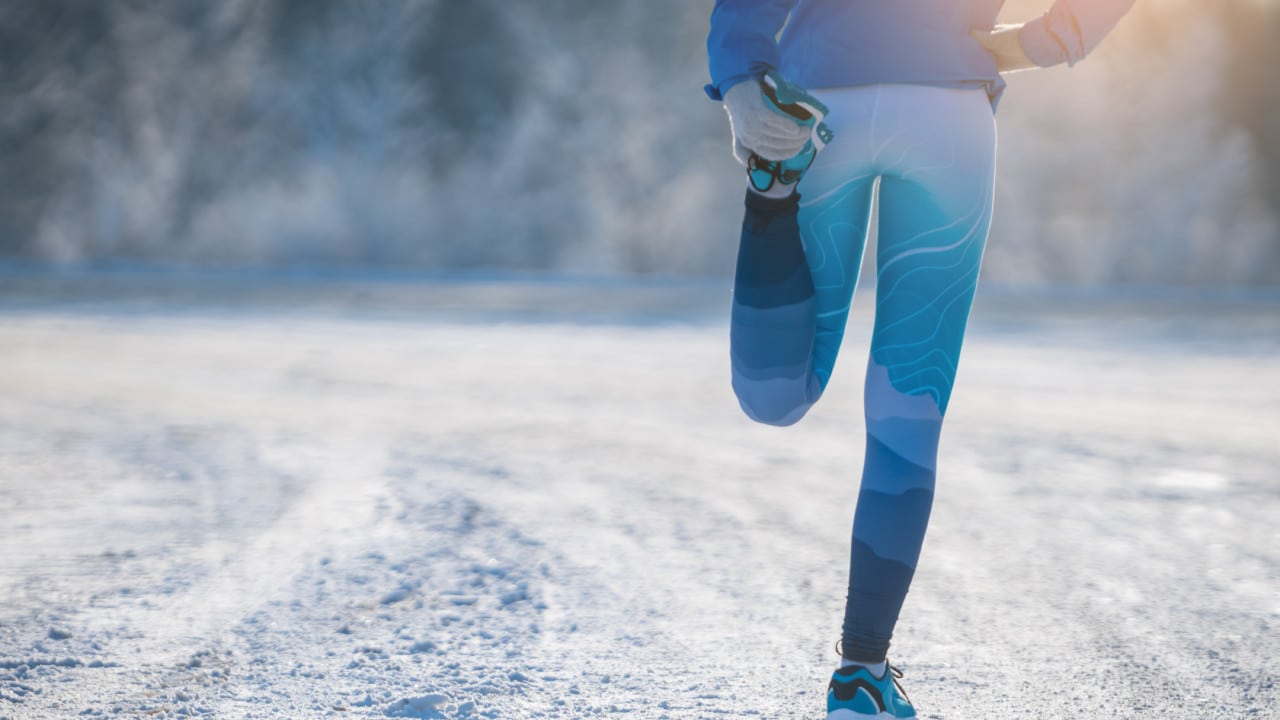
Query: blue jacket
837, 43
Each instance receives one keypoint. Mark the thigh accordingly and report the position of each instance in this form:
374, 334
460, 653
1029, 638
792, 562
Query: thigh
833, 229
836, 192
935, 211
835, 213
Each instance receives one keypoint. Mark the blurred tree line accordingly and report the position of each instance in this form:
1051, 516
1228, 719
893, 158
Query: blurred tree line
1251, 86
1153, 161
571, 135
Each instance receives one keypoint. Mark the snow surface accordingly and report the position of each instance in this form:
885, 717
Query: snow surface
253, 497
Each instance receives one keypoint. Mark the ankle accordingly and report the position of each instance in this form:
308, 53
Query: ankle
778, 191
875, 667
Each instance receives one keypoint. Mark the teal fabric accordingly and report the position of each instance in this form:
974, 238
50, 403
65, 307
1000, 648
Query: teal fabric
798, 267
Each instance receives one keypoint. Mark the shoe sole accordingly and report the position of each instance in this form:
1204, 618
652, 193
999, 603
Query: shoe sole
847, 714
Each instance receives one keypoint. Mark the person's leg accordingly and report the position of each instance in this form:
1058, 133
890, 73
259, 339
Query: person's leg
772, 320
935, 209
798, 264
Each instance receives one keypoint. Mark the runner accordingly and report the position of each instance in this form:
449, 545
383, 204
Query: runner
904, 91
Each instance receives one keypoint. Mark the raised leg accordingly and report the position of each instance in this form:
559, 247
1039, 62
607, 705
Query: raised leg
798, 265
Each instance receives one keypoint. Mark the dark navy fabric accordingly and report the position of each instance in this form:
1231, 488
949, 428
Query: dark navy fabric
771, 264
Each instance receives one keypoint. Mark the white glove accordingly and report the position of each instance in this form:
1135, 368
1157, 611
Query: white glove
759, 128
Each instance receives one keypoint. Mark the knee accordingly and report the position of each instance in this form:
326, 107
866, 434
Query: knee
779, 401
772, 415
902, 425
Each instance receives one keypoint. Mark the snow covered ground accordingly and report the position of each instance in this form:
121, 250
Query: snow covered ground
273, 498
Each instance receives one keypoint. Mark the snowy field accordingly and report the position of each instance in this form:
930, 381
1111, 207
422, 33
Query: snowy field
289, 498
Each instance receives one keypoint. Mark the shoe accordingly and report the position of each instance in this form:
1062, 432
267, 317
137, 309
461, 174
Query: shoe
856, 694
790, 100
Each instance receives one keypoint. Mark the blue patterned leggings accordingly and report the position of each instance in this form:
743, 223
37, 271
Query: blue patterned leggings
931, 152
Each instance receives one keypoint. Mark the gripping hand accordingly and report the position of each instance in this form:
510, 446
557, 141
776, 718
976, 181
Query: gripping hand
759, 128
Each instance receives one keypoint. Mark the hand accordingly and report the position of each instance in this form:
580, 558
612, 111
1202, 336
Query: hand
1002, 42
759, 128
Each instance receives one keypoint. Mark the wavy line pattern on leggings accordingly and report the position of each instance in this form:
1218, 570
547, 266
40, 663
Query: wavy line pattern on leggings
798, 266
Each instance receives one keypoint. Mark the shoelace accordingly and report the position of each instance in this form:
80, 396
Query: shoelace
897, 675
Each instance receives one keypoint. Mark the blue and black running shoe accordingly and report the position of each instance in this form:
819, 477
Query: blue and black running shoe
790, 100
856, 694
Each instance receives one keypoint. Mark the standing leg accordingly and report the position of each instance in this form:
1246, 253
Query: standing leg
935, 210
